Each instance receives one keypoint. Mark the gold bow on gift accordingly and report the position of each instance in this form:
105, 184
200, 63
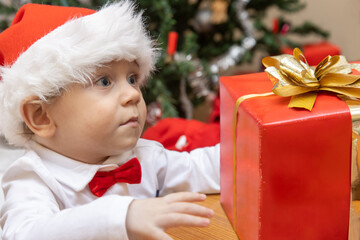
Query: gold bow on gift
292, 77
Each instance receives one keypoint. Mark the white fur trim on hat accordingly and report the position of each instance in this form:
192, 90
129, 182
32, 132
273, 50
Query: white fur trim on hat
69, 54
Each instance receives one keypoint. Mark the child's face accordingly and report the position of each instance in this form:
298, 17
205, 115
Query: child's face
103, 119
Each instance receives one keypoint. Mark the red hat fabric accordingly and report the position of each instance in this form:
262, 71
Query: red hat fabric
30, 23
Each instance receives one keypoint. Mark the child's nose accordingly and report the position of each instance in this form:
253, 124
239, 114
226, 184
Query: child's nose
130, 95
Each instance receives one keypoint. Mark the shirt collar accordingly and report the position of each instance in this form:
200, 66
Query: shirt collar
73, 173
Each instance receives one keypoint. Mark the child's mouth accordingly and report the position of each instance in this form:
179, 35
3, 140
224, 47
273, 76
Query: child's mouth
133, 122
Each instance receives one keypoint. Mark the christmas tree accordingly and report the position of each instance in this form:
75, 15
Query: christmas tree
199, 41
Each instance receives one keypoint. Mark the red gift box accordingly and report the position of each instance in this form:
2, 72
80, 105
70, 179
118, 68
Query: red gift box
314, 53
291, 178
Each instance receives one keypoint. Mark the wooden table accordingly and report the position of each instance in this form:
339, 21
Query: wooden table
219, 229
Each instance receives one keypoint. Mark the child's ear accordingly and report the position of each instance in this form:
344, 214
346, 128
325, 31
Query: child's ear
36, 117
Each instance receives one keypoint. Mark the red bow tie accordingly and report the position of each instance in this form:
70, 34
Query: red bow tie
129, 172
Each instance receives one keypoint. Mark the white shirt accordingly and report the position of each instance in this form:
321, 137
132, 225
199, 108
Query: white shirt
47, 195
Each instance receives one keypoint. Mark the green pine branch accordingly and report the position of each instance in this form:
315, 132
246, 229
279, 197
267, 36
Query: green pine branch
284, 5
308, 28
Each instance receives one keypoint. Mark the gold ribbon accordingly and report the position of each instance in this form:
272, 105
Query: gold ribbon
355, 136
237, 104
292, 77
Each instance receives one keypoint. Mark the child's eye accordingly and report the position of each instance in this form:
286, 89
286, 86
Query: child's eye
132, 80
103, 82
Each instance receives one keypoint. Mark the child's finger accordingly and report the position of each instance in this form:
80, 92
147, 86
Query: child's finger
185, 197
190, 208
178, 219
159, 234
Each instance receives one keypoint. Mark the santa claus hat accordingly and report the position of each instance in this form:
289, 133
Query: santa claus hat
48, 47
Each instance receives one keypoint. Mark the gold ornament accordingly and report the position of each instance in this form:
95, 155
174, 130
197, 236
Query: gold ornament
219, 11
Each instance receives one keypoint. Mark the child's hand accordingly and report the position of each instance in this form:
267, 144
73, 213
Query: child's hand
149, 218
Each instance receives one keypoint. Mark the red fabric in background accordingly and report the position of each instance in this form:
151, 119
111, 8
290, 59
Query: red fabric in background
315, 53
198, 134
